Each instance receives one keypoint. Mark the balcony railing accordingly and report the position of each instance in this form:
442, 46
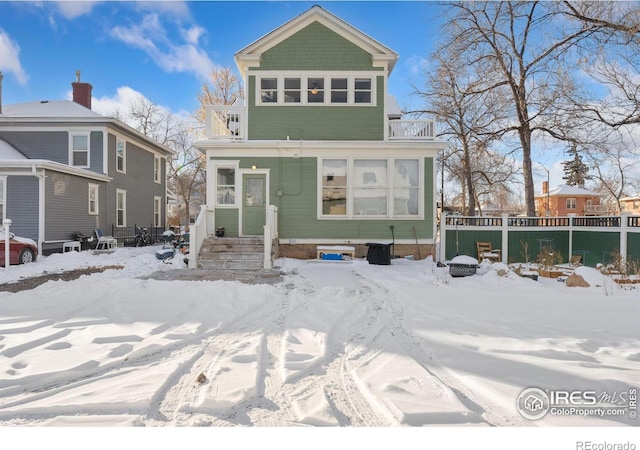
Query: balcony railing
596, 210
225, 122
230, 122
419, 130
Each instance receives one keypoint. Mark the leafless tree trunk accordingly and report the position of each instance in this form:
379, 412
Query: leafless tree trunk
522, 53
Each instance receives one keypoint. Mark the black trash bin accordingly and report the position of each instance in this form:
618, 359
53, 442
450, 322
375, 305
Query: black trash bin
379, 253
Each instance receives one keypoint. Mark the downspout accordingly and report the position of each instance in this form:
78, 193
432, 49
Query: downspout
41, 202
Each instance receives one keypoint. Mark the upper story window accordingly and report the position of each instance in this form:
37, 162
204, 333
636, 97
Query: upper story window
157, 169
292, 90
362, 90
121, 165
314, 89
571, 203
79, 149
269, 90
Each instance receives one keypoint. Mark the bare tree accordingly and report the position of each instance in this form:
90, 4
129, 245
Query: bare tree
224, 88
524, 56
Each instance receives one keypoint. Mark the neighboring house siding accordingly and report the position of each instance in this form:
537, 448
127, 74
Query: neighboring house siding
50, 145
67, 206
96, 143
139, 184
316, 122
315, 48
22, 205
53, 146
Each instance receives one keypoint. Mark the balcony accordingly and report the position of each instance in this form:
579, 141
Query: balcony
412, 130
596, 210
227, 122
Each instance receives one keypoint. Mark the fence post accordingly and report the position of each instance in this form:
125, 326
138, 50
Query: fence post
624, 229
571, 216
505, 238
443, 239
7, 253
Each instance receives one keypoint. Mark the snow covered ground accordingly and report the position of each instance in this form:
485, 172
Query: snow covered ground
344, 344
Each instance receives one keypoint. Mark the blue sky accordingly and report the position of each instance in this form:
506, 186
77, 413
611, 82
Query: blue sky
164, 50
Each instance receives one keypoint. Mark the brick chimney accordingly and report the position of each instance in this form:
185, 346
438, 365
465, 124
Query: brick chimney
81, 92
545, 187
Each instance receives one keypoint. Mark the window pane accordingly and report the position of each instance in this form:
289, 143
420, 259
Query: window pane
292, 90
226, 188
338, 97
334, 187
292, 83
80, 142
80, 159
316, 90
362, 90
339, 83
370, 187
269, 90
406, 187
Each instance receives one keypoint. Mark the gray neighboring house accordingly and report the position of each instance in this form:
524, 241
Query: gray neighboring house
65, 169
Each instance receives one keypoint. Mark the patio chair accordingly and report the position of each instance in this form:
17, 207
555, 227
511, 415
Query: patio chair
486, 251
105, 242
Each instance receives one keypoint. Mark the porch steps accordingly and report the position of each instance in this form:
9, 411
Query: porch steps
232, 253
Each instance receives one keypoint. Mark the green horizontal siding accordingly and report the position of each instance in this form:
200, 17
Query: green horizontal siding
293, 189
229, 219
315, 48
315, 122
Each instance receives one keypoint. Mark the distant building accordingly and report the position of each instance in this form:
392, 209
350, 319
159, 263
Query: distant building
631, 204
564, 200
65, 169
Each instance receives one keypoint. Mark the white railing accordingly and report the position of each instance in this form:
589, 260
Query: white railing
198, 232
419, 130
596, 209
225, 122
270, 234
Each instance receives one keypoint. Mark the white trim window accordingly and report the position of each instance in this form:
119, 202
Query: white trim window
334, 89
94, 206
157, 211
226, 185
157, 169
79, 150
571, 203
121, 208
121, 156
3, 198
371, 188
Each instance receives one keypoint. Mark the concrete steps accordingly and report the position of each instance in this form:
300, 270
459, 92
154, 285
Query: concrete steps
232, 253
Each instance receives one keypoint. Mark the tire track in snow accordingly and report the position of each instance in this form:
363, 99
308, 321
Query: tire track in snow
388, 301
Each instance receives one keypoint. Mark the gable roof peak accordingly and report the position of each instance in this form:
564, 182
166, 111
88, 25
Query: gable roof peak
382, 56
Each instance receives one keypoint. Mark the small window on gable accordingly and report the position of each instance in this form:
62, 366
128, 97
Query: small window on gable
269, 90
362, 90
80, 150
120, 156
339, 90
315, 90
292, 90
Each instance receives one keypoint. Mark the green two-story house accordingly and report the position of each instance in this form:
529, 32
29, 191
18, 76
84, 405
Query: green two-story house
318, 152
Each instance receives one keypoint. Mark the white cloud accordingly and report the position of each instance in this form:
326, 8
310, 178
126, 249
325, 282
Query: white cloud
416, 65
151, 36
10, 58
72, 9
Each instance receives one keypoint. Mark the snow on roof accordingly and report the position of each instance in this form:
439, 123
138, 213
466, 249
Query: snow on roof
565, 189
392, 106
46, 108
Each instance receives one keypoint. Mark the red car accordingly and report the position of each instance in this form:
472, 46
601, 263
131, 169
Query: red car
21, 250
